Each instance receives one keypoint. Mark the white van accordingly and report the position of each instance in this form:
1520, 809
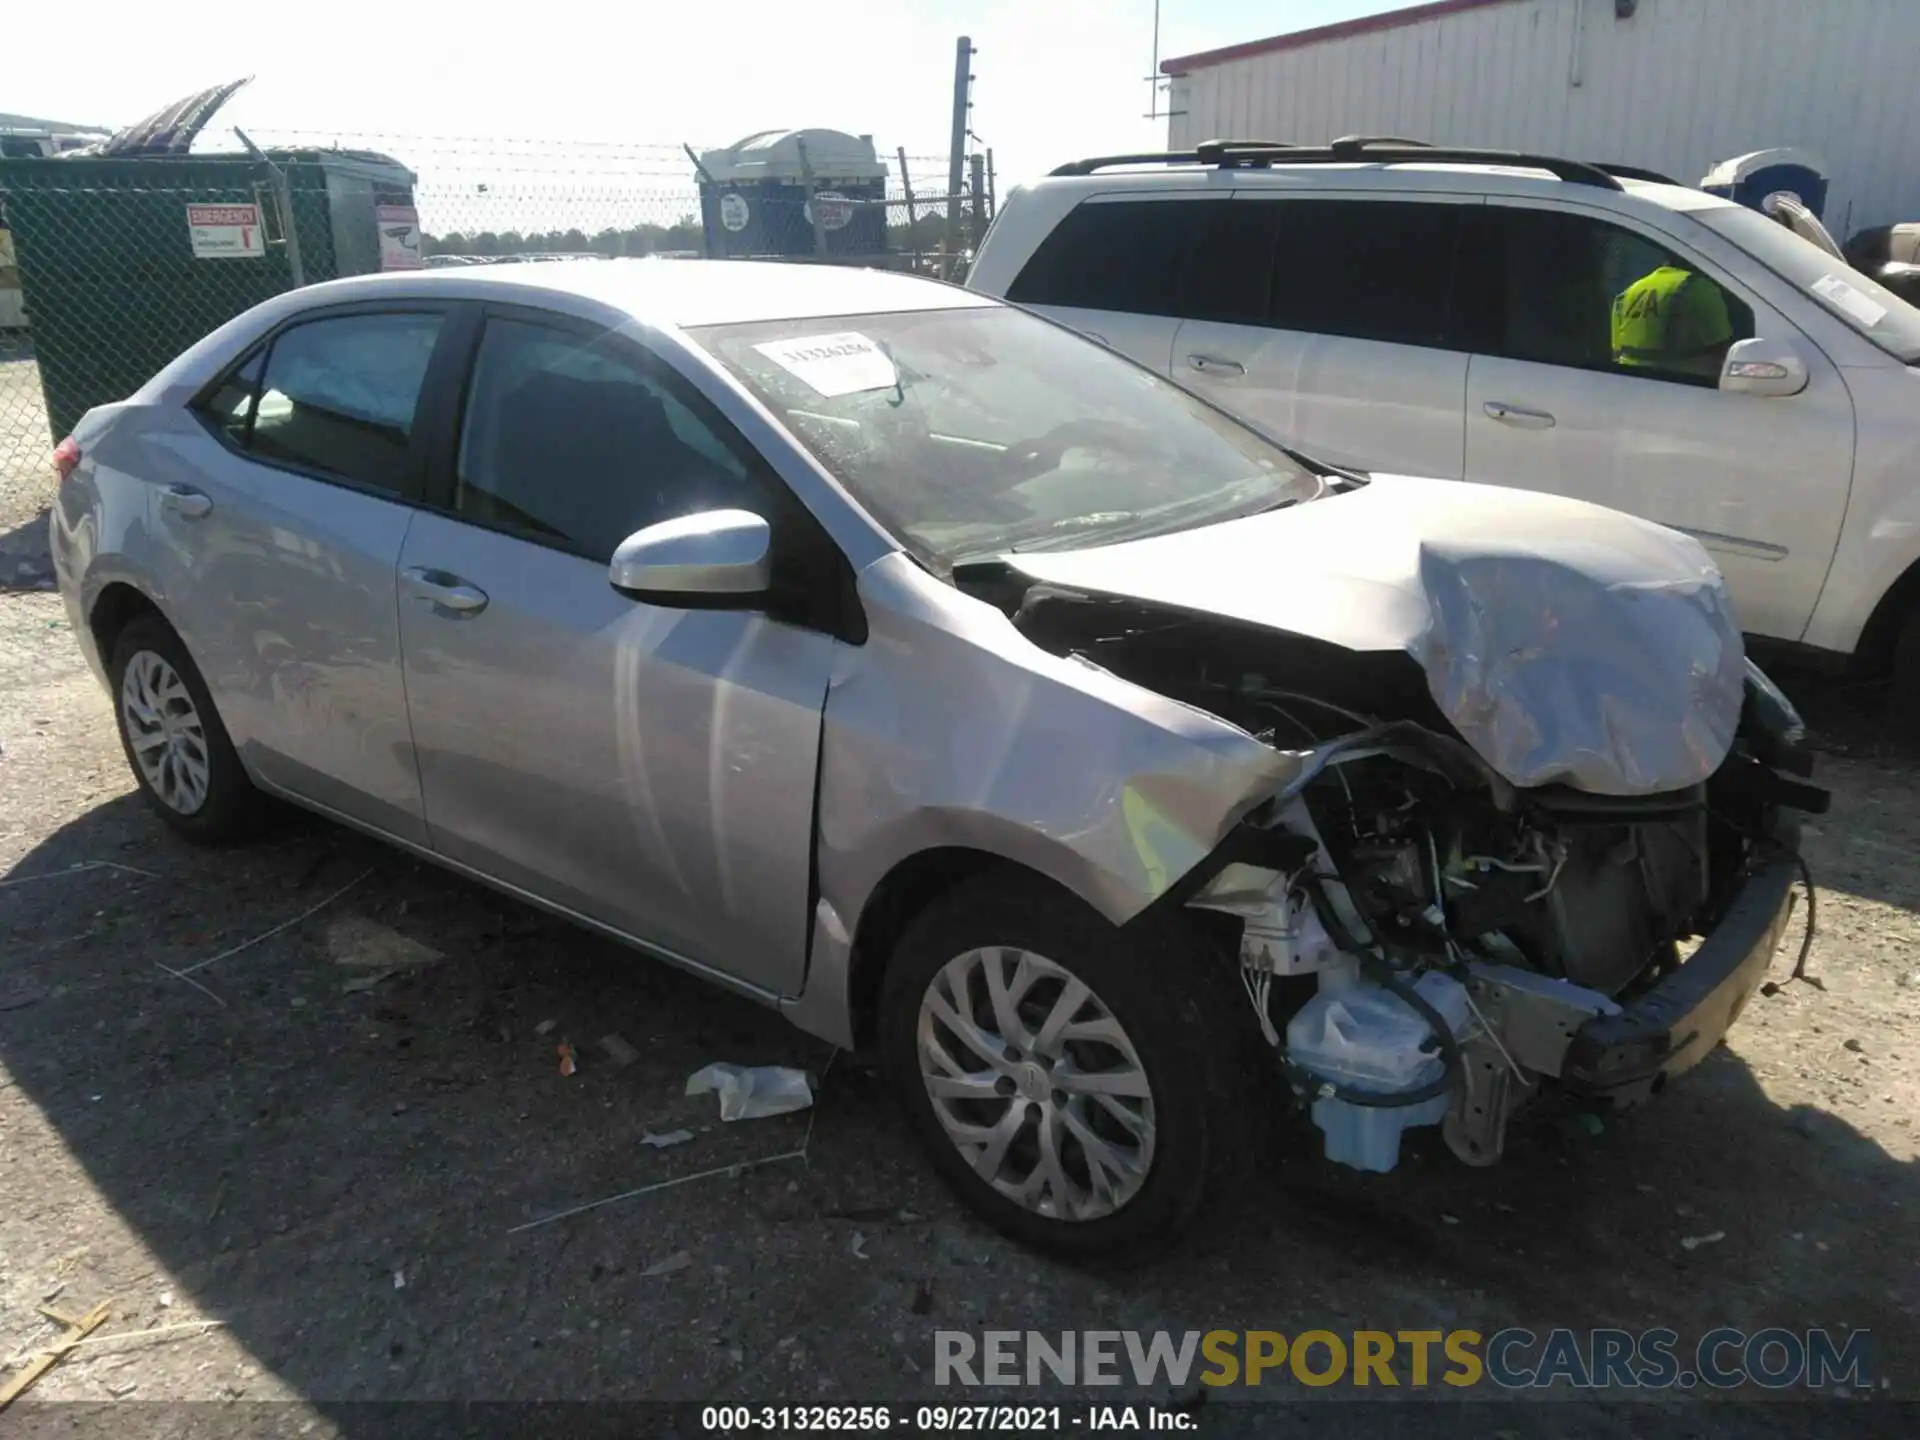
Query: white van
1397, 307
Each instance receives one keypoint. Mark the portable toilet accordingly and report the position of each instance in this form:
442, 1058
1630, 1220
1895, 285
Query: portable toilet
759, 197
1750, 179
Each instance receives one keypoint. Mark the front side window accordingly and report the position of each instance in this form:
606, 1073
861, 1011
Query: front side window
1563, 289
972, 431
577, 443
338, 396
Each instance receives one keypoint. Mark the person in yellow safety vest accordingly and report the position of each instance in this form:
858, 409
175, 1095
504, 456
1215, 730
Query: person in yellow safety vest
1672, 320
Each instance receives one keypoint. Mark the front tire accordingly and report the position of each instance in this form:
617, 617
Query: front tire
175, 743
1076, 1084
1903, 689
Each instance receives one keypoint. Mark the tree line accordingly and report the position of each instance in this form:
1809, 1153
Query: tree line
685, 234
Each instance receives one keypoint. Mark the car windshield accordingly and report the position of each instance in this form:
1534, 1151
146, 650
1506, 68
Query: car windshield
971, 432
1864, 304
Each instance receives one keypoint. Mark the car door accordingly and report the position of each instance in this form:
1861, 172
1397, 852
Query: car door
647, 768
1113, 269
280, 518
1559, 400
1339, 342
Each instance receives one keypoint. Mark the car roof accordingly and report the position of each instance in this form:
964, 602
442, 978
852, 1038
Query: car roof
678, 293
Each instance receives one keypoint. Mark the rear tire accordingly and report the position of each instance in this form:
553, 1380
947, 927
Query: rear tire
1102, 1099
175, 743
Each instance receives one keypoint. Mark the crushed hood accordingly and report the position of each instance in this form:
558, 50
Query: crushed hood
1567, 643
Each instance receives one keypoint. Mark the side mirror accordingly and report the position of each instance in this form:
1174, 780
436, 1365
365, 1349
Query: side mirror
1763, 367
714, 555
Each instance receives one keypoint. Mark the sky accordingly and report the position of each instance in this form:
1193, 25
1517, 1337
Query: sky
1055, 79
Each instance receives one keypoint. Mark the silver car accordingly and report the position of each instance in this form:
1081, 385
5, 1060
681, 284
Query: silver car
892, 656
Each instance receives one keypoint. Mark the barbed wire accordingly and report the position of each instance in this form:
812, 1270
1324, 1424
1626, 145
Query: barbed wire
101, 282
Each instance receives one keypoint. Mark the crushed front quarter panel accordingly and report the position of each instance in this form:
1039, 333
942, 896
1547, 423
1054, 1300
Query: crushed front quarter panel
1565, 642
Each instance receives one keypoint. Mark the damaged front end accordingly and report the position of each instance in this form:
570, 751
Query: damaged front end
1506, 860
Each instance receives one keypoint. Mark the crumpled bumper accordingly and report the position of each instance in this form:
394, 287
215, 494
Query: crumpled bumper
1629, 1057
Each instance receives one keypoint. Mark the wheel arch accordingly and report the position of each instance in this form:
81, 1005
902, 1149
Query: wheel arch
118, 604
1873, 655
913, 883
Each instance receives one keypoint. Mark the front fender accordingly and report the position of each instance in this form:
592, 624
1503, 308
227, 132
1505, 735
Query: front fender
949, 728
1880, 539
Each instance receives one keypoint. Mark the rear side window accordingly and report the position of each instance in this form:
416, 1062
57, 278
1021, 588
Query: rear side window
338, 396
1124, 255
229, 409
1372, 270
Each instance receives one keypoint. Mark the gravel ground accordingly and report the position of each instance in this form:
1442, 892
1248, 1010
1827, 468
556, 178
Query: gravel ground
335, 1172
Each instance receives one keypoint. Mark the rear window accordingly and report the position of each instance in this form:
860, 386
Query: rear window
1125, 255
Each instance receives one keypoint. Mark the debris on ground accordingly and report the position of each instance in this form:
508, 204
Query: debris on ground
361, 983
545, 1028
362, 943
399, 1279
679, 1260
860, 1246
77, 1328
1694, 1242
618, 1050
666, 1140
567, 1067
753, 1092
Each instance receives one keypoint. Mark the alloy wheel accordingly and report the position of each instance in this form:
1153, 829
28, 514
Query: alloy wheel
1036, 1083
165, 732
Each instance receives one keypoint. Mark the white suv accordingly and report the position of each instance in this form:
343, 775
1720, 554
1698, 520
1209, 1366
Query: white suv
1402, 308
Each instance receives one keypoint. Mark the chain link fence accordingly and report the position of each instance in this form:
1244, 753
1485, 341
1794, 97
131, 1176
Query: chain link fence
110, 267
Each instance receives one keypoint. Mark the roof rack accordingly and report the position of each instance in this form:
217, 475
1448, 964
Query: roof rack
1354, 149
1635, 172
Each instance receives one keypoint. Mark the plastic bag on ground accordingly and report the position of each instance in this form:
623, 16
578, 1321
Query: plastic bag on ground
753, 1092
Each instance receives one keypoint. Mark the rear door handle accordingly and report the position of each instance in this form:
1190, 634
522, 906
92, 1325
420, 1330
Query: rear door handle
444, 591
1213, 365
1518, 416
186, 502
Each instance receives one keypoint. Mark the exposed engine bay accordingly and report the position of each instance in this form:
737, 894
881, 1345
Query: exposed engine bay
1422, 940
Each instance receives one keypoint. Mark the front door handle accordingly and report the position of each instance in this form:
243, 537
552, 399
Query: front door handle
444, 591
186, 502
1518, 416
1213, 365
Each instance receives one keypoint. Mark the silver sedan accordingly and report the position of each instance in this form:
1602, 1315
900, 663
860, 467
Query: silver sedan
894, 657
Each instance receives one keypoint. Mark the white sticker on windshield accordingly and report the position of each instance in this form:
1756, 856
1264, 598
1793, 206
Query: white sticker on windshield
1842, 296
842, 364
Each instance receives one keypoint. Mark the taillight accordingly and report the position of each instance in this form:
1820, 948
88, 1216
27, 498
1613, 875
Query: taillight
66, 457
